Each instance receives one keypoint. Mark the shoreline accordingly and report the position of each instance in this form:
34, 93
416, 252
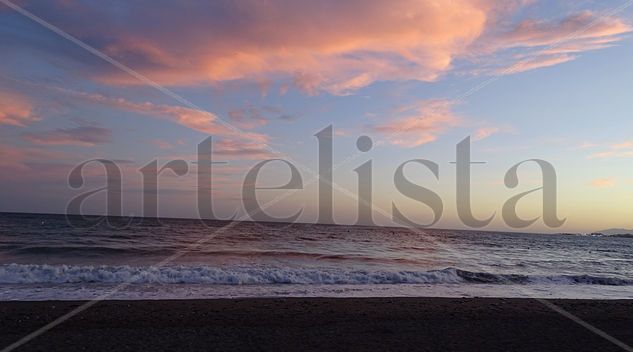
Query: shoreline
403, 323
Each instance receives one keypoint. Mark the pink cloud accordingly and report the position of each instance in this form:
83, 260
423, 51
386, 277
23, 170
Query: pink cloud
233, 140
15, 109
235, 148
534, 63
485, 132
340, 48
86, 136
329, 45
32, 163
578, 29
549, 43
421, 123
197, 120
248, 117
162, 144
326, 46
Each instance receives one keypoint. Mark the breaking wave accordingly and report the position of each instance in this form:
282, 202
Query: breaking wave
60, 274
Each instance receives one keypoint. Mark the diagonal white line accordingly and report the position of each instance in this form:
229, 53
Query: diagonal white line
512, 69
129, 70
556, 44
130, 281
148, 81
444, 246
584, 324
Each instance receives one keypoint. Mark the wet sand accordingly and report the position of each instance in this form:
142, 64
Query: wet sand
319, 324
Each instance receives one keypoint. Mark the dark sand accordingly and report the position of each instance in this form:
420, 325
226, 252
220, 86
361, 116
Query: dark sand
423, 324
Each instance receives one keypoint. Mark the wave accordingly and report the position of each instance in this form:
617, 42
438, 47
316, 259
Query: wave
59, 274
48, 250
91, 251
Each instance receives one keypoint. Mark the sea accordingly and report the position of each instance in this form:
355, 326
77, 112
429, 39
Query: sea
55, 257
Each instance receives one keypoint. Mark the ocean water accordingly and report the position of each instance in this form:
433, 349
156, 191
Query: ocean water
43, 257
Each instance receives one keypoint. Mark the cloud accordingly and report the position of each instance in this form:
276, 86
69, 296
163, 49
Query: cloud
197, 120
32, 163
548, 43
572, 33
534, 63
485, 132
420, 124
234, 148
603, 182
86, 136
327, 45
332, 46
623, 145
15, 109
617, 150
587, 145
316, 46
250, 116
162, 144
234, 141
287, 117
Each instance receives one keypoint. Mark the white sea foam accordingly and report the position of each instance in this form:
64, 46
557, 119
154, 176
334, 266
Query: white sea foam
64, 274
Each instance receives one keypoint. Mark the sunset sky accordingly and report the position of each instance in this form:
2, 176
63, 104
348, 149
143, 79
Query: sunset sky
129, 82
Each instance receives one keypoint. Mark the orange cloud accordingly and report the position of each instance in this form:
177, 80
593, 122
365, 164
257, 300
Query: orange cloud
618, 150
15, 109
422, 123
623, 145
603, 182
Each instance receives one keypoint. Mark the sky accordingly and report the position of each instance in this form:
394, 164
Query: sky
134, 82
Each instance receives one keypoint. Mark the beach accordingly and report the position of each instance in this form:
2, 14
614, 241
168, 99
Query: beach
356, 324
296, 175
308, 287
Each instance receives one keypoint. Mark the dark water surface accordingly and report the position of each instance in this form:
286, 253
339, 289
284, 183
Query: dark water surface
44, 257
